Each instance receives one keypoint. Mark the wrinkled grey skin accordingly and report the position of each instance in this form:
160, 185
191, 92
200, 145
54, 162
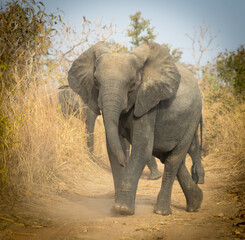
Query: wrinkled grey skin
71, 103
157, 106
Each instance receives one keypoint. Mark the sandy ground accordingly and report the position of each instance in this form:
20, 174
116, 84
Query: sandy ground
75, 216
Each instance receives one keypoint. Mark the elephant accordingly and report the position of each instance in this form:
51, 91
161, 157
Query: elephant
71, 103
154, 103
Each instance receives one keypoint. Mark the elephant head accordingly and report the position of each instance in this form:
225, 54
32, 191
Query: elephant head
116, 82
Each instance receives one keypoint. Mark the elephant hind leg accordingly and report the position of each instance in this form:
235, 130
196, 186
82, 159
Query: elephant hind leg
171, 167
175, 165
197, 170
193, 193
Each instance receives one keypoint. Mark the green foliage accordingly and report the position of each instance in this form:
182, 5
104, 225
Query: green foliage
140, 29
230, 67
116, 47
176, 54
210, 80
24, 39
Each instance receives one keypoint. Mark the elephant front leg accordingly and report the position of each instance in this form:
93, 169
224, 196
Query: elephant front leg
116, 169
142, 145
125, 201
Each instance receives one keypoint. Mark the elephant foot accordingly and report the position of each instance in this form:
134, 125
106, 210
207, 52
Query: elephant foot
154, 175
194, 201
121, 210
161, 210
124, 204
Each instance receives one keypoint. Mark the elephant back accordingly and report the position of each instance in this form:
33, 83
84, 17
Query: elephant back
188, 87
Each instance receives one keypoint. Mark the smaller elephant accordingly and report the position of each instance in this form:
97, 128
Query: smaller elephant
72, 103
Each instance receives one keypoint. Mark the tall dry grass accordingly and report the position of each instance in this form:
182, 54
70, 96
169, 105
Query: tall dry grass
224, 137
50, 152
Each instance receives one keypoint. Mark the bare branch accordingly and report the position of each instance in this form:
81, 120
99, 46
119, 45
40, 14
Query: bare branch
72, 42
201, 40
76, 45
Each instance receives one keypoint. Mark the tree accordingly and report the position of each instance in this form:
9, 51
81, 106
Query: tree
140, 29
201, 42
176, 53
230, 67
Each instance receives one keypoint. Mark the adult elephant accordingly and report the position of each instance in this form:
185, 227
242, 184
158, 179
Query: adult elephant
71, 103
157, 106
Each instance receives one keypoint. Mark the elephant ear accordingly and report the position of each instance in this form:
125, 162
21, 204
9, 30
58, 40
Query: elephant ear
160, 78
81, 75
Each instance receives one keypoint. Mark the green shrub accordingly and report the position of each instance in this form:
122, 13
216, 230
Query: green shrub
230, 67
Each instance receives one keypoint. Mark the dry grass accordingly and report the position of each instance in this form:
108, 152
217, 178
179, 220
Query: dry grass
224, 140
50, 153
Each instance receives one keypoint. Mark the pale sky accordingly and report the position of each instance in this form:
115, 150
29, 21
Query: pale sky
172, 19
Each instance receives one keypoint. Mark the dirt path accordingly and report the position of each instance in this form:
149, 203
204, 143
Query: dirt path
76, 217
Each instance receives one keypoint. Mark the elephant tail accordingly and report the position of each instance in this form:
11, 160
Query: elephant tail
201, 125
197, 170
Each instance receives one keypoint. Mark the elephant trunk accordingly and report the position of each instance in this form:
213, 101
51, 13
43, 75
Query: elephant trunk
111, 112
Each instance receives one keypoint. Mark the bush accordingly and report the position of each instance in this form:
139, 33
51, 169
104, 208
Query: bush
24, 40
230, 67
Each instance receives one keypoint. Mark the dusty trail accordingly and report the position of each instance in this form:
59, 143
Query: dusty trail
74, 216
